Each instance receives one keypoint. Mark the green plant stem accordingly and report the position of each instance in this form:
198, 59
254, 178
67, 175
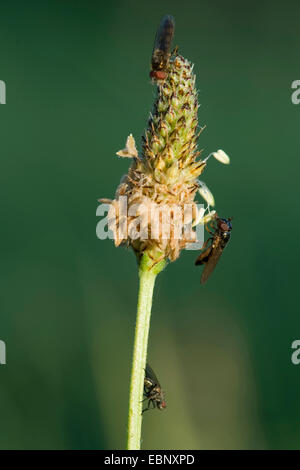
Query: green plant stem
147, 275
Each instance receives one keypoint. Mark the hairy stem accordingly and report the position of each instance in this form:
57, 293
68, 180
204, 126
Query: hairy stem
147, 275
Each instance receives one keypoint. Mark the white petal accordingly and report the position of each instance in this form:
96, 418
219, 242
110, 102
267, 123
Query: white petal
130, 150
130, 145
206, 194
200, 214
221, 156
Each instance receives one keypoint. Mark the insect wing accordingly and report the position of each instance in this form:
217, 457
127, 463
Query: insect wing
162, 46
150, 376
164, 35
212, 262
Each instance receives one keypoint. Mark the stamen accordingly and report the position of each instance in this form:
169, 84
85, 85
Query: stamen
206, 194
220, 155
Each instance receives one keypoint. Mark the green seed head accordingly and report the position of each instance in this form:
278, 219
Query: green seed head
165, 173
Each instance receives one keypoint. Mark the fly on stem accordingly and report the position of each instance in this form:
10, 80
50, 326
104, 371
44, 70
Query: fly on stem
153, 393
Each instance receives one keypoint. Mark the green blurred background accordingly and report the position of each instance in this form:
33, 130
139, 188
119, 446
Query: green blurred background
77, 85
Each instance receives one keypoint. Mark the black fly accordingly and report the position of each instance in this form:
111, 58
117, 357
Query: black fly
211, 255
162, 47
152, 390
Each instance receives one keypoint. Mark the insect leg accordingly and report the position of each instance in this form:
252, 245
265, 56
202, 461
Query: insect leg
153, 403
205, 243
148, 407
212, 226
